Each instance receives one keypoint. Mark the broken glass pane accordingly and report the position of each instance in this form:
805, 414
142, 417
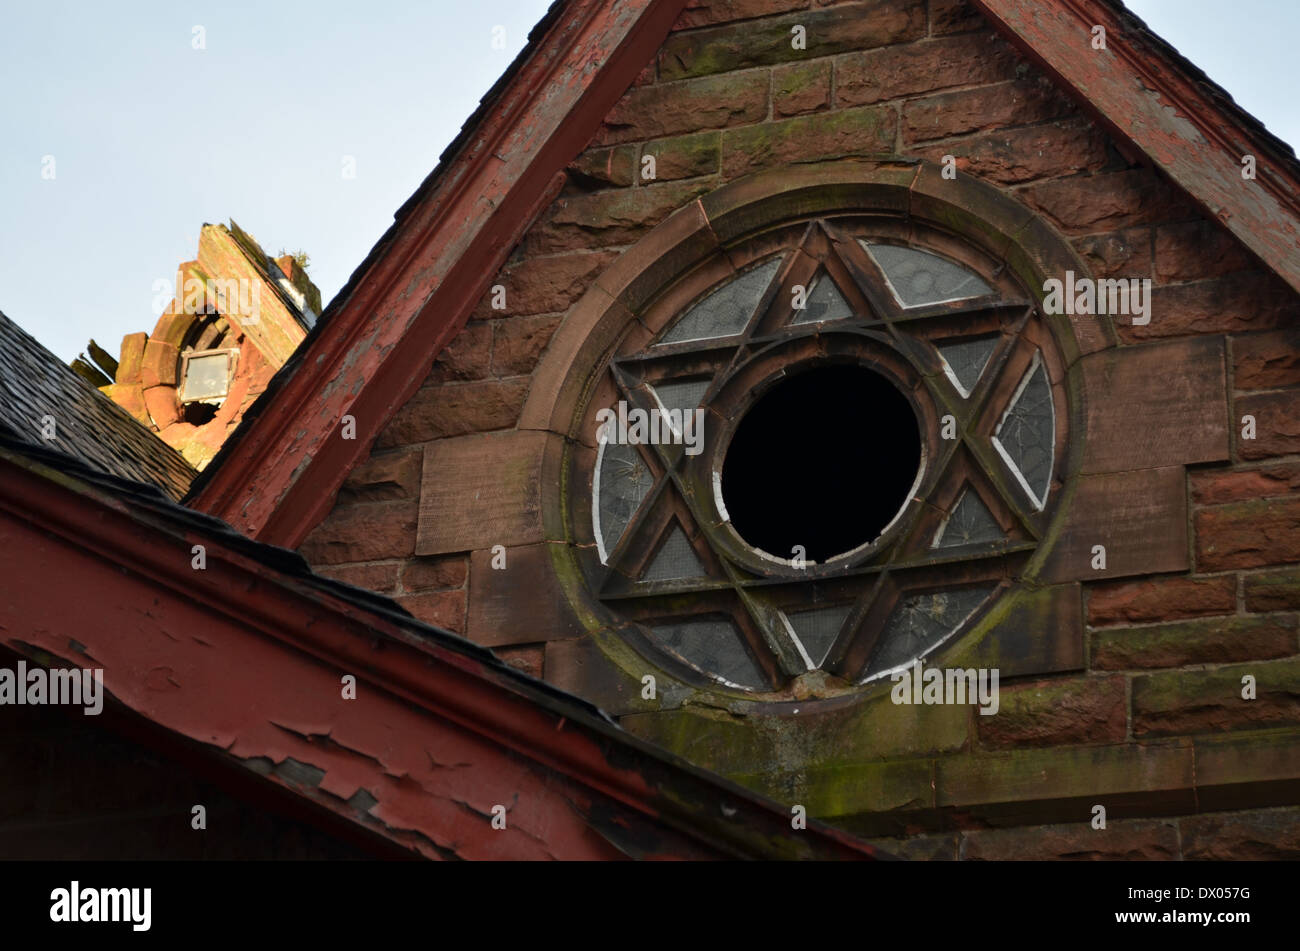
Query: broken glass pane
970, 523
919, 277
824, 302
623, 481
1026, 437
726, 311
818, 629
965, 361
920, 622
674, 560
207, 376
714, 646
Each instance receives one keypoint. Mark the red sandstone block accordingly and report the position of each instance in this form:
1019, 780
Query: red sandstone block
613, 166
1014, 156
1243, 302
454, 409
448, 571
1250, 534
1086, 204
444, 609
163, 407
1057, 713
1196, 250
519, 342
1266, 361
800, 88
1222, 640
687, 156
528, 658
550, 284
927, 66
948, 114
1273, 590
867, 131
1124, 253
1277, 424
1259, 835
607, 218
837, 29
954, 16
1161, 599
715, 102
708, 12
1216, 486
467, 357
367, 531
128, 365
381, 578
384, 476
1129, 840
1183, 702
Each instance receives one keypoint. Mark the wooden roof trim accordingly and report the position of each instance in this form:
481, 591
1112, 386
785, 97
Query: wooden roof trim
1152, 99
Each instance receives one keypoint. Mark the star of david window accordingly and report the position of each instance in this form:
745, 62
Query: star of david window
855, 430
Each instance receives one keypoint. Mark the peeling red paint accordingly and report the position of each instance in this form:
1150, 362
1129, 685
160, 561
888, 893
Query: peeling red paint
248, 661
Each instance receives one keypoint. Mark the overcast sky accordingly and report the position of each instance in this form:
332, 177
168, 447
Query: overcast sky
151, 137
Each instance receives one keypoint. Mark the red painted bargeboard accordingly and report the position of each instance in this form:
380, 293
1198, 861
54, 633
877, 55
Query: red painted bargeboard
249, 661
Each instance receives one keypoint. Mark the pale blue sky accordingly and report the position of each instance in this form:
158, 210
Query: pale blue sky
152, 137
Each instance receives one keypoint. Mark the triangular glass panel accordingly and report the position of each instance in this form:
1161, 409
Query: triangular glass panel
714, 646
726, 311
817, 630
969, 523
1026, 437
684, 395
824, 302
917, 277
921, 622
622, 481
675, 560
965, 360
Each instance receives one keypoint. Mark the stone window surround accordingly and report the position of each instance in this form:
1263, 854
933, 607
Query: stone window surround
983, 217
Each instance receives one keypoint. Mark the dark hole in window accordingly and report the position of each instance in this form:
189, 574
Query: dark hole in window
199, 413
824, 460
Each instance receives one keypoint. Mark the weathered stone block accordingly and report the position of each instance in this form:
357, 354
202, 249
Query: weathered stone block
1161, 599
1214, 641
1252, 534
1057, 713
838, 29
867, 131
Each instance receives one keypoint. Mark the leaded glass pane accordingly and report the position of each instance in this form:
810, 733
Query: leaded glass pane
1026, 437
970, 523
922, 621
965, 361
674, 560
920, 277
714, 646
726, 311
684, 395
824, 302
818, 629
623, 479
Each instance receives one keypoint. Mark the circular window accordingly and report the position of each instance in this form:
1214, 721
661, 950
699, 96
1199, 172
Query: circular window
824, 453
847, 435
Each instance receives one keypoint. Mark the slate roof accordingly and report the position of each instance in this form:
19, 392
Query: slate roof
88, 426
